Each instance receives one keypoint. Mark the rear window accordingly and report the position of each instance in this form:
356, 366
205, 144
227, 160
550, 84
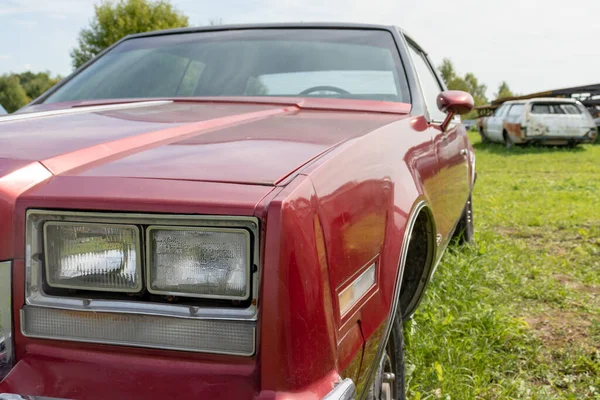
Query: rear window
555, 108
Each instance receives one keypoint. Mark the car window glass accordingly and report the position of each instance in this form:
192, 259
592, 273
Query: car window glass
501, 111
429, 84
570, 109
355, 64
356, 82
516, 111
190, 79
540, 109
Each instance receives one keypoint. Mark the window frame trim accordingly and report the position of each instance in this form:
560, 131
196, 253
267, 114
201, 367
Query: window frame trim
421, 53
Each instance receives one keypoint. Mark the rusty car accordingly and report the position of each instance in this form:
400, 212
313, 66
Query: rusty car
551, 121
229, 212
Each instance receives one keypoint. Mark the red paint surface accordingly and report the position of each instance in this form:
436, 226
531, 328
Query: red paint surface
349, 181
239, 143
80, 374
455, 101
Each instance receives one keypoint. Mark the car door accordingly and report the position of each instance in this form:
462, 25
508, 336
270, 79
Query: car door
494, 124
451, 148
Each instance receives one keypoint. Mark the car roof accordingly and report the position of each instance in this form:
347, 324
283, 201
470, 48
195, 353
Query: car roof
281, 25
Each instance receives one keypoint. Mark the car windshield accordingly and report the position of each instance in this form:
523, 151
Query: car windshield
335, 63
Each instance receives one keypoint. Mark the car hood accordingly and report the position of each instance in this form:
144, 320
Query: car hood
232, 142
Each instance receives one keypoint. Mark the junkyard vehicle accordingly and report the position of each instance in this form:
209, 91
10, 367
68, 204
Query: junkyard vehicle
484, 114
469, 124
541, 120
229, 212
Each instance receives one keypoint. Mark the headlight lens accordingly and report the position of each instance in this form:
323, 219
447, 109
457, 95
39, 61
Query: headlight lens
199, 262
93, 256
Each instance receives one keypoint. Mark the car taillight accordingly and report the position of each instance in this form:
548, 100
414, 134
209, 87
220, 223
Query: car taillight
6, 348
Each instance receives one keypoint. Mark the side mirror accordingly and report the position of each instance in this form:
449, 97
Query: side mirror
454, 102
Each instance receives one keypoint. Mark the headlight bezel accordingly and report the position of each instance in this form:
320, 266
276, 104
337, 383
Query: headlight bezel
37, 295
149, 261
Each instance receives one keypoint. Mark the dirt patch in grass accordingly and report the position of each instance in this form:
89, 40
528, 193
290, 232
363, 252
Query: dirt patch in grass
560, 329
571, 283
556, 242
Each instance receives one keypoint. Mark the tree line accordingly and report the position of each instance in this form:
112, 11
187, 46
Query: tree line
114, 20
17, 90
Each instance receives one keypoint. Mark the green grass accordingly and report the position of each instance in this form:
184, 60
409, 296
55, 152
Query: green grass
517, 314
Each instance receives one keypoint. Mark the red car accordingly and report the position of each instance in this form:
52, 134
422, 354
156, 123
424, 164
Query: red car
230, 212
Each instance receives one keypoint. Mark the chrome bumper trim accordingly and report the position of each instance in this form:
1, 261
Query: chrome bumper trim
345, 390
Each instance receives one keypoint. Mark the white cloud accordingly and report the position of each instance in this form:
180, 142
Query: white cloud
4, 57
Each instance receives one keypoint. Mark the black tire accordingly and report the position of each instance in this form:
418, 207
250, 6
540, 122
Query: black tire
465, 230
392, 386
508, 142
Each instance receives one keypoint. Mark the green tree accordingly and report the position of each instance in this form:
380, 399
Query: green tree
12, 94
447, 71
469, 83
112, 21
36, 84
504, 91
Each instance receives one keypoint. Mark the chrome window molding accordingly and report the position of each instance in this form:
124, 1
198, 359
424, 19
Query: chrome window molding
151, 228
35, 295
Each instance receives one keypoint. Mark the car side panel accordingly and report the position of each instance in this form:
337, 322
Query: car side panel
494, 128
365, 194
453, 150
298, 340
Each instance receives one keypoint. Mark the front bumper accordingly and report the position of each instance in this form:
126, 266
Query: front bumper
41, 375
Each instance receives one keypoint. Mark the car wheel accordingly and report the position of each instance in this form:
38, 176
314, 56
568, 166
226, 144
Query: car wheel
508, 142
389, 381
465, 230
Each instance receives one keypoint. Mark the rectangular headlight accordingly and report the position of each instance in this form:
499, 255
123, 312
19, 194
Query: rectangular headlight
199, 262
90, 256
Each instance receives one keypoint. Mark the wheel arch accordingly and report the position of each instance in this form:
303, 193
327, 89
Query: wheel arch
421, 219
419, 260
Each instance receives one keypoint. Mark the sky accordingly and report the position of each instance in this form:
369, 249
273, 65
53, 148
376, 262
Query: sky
534, 45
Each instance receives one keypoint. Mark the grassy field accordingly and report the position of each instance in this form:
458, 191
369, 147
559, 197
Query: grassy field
517, 314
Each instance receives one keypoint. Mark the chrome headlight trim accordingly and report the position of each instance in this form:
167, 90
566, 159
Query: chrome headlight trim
35, 294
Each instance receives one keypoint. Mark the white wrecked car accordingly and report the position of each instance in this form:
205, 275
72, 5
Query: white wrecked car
551, 121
